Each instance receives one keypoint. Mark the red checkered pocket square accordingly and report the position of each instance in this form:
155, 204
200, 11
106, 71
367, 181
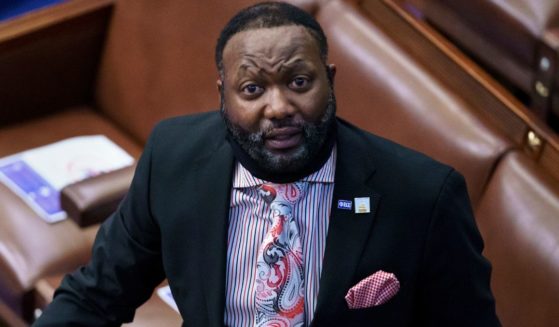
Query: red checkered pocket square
373, 290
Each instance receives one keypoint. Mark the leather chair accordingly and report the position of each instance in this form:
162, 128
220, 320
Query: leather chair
484, 95
518, 40
158, 60
154, 312
518, 218
29, 247
93, 67
381, 88
518, 208
129, 71
48, 59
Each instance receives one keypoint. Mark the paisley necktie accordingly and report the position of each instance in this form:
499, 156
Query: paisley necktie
279, 287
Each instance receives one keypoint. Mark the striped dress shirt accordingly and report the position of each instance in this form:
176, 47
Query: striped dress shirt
249, 221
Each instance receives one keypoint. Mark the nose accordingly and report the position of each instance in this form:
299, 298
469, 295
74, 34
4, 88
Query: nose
278, 105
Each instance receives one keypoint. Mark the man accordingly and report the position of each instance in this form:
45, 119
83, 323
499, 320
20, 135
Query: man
278, 213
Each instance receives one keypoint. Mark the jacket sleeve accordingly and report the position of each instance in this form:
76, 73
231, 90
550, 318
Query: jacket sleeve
455, 280
125, 266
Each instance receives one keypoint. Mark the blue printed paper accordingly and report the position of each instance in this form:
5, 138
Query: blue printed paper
37, 192
38, 175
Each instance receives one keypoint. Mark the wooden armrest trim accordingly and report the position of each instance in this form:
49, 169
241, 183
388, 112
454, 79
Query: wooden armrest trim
48, 16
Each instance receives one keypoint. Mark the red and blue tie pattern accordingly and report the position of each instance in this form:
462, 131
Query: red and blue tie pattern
279, 288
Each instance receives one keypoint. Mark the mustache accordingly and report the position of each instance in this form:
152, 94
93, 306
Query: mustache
275, 124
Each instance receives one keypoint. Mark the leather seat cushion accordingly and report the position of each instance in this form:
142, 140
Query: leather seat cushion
382, 89
29, 247
519, 220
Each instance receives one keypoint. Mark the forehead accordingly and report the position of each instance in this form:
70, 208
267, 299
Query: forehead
271, 46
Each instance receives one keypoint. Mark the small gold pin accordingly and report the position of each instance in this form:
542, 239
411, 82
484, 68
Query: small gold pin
362, 205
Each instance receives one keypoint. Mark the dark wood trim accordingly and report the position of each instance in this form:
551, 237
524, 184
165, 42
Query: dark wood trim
470, 81
36, 20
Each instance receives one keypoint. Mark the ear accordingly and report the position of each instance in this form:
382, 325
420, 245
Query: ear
331, 70
219, 84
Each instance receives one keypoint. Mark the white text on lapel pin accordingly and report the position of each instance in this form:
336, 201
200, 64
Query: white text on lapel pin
344, 204
362, 205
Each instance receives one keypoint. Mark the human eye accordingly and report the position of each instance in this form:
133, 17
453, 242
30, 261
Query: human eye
300, 83
252, 89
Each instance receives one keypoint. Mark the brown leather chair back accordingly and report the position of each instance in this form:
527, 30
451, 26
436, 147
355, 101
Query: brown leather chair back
518, 217
382, 89
516, 39
159, 60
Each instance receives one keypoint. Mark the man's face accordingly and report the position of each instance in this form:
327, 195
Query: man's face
276, 97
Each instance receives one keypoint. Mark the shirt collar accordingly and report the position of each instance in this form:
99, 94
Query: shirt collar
242, 178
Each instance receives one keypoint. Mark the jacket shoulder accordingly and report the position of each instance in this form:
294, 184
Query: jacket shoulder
398, 170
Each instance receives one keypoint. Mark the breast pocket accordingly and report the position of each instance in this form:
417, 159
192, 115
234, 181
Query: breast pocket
394, 313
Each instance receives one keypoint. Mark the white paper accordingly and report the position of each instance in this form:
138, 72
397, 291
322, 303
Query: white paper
38, 175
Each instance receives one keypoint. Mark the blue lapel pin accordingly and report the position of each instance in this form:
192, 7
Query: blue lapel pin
344, 204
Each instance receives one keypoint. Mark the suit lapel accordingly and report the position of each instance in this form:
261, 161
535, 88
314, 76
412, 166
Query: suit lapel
348, 231
214, 173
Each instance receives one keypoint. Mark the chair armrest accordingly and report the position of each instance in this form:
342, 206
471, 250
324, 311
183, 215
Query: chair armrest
92, 200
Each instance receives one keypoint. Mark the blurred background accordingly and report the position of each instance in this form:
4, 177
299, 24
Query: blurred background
474, 84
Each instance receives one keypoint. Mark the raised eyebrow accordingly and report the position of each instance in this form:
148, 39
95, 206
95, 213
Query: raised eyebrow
296, 64
247, 63
247, 67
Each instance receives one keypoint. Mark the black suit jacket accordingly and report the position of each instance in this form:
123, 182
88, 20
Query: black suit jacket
173, 223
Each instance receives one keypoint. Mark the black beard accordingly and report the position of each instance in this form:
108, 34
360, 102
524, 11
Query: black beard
314, 137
